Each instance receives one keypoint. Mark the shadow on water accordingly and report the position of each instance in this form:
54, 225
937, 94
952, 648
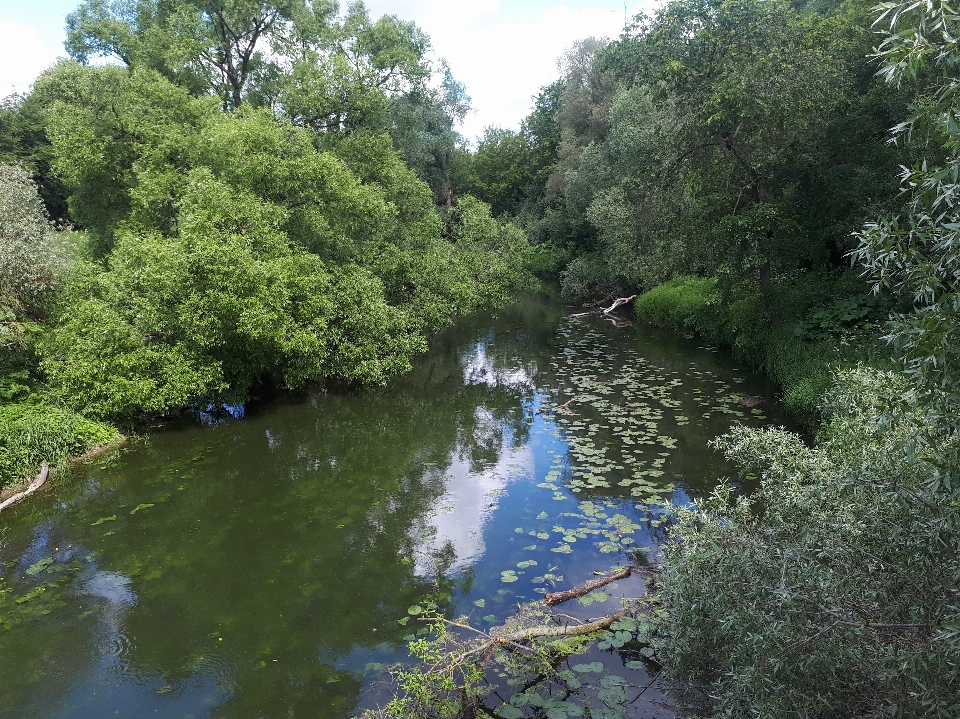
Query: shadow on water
258, 567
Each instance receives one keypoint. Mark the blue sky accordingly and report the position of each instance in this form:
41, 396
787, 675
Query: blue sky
503, 50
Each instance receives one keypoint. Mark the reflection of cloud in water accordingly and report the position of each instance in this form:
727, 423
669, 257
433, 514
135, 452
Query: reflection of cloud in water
118, 597
479, 368
451, 535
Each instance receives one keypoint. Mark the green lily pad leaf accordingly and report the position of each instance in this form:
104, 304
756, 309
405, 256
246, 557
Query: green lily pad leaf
508, 712
508, 576
415, 610
480, 603
526, 563
592, 667
490, 618
32, 594
39, 566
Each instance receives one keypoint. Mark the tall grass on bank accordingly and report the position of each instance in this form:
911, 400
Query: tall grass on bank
35, 433
827, 322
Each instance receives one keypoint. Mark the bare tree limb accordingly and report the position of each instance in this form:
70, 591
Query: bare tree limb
586, 588
34, 486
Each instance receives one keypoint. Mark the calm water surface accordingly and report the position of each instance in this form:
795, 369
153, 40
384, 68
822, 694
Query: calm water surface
258, 567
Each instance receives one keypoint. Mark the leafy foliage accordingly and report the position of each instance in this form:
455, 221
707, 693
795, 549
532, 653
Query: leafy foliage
828, 592
32, 256
915, 255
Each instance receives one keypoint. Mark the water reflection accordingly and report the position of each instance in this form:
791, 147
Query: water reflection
450, 534
259, 567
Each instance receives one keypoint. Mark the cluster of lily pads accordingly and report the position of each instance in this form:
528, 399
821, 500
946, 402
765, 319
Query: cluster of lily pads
612, 405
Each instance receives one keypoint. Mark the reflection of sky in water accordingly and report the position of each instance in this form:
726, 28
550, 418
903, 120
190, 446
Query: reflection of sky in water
479, 368
453, 529
113, 685
455, 526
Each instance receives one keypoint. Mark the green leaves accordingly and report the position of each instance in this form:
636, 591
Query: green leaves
234, 250
38, 567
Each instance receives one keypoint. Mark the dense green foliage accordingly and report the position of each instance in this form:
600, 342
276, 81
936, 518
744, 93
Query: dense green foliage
33, 259
250, 187
832, 590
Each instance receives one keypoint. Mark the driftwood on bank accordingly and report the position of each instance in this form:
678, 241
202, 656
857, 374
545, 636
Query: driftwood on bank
586, 588
34, 486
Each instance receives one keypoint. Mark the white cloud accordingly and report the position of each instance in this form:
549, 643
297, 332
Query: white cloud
23, 56
503, 62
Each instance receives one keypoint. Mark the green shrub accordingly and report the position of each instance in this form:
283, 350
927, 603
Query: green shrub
827, 321
829, 592
35, 433
685, 303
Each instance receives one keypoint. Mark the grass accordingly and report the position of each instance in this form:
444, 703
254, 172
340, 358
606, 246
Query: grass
828, 322
35, 433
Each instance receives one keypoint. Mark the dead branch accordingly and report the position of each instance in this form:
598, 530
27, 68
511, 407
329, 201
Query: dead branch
525, 635
34, 486
619, 302
586, 588
566, 405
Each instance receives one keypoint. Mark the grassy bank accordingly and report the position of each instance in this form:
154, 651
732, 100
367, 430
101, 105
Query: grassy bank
34, 428
35, 433
824, 323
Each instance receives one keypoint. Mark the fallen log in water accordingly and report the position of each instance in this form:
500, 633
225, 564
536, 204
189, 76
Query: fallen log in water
34, 486
619, 302
564, 631
586, 588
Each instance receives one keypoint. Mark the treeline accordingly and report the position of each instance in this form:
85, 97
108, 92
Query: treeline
259, 195
740, 142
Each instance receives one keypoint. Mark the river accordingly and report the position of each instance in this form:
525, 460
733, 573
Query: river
261, 566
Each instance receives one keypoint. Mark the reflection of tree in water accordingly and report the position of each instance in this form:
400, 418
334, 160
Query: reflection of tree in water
292, 532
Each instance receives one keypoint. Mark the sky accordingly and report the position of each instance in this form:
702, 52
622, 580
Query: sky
504, 51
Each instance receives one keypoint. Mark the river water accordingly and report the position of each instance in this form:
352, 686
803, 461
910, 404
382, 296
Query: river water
261, 566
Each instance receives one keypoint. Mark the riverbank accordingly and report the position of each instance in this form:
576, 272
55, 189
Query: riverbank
826, 324
34, 433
